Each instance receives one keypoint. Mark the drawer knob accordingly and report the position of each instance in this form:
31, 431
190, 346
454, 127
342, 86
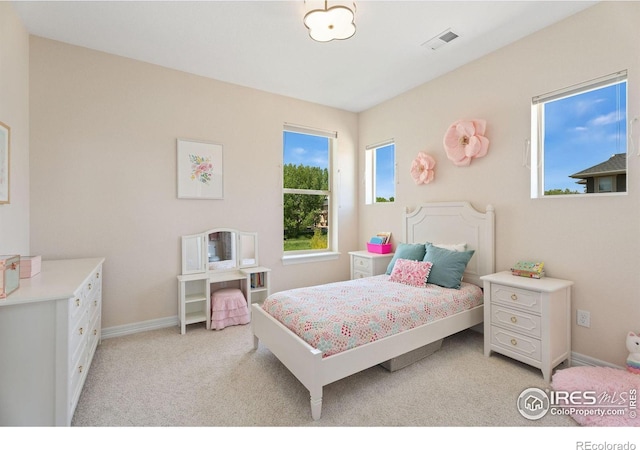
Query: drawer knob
95, 332
514, 319
81, 330
80, 369
77, 302
89, 285
98, 275
514, 342
514, 297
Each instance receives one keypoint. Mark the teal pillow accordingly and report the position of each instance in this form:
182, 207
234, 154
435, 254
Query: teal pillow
414, 252
448, 266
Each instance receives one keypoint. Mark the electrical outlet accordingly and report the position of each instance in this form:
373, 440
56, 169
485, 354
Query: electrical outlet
583, 318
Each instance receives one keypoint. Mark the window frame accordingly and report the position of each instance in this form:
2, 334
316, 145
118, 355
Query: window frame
536, 143
312, 255
370, 174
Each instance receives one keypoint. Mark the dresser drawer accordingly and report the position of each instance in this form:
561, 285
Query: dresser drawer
77, 371
78, 336
516, 320
94, 307
515, 297
516, 342
93, 285
77, 305
94, 332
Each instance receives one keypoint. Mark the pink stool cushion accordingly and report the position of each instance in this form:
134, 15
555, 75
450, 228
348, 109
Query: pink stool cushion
228, 307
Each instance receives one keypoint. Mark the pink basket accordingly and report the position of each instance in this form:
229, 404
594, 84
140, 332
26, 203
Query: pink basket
379, 248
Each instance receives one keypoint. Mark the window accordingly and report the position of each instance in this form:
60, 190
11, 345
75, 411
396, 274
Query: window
307, 215
578, 139
380, 173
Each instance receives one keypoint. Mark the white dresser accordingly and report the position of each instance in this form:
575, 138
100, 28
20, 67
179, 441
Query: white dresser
528, 319
49, 330
367, 264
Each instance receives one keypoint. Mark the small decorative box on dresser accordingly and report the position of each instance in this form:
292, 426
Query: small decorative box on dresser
528, 319
367, 264
49, 331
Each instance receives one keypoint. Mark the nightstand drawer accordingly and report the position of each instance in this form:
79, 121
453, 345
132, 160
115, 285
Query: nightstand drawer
516, 342
361, 264
516, 320
514, 297
358, 274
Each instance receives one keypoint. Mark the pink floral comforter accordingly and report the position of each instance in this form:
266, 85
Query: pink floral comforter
338, 316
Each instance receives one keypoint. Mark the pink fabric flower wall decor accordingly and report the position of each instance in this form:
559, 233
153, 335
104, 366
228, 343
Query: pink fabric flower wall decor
422, 168
465, 140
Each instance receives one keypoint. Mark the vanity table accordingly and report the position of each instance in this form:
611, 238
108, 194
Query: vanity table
216, 259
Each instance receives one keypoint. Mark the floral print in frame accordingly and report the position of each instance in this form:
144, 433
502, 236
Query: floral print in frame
200, 171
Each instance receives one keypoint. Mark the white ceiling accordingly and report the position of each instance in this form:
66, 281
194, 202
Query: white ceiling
264, 44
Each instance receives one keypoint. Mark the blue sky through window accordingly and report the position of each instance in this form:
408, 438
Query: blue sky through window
306, 149
385, 169
581, 131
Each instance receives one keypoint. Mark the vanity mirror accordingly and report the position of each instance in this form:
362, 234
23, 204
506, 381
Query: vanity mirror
219, 249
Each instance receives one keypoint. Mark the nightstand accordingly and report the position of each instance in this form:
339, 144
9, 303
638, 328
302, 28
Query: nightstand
528, 319
367, 264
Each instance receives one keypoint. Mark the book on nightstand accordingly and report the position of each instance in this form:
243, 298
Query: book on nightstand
528, 269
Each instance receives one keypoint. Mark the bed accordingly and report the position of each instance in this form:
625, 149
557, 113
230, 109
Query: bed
318, 365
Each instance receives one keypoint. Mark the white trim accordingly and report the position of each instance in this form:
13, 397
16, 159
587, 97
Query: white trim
303, 129
139, 327
578, 359
381, 144
309, 257
580, 88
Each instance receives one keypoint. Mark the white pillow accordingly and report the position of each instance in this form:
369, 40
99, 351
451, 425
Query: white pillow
453, 247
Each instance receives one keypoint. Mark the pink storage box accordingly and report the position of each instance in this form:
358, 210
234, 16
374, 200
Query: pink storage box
30, 266
379, 248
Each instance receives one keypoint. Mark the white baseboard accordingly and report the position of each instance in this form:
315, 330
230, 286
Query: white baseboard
583, 360
147, 325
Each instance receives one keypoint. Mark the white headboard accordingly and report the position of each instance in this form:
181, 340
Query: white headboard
453, 223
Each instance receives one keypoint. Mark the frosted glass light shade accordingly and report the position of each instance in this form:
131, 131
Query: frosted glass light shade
327, 24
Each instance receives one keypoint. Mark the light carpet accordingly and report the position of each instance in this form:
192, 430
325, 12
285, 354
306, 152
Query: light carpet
216, 379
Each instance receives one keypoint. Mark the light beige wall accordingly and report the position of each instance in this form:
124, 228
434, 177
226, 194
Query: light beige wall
14, 112
592, 241
103, 172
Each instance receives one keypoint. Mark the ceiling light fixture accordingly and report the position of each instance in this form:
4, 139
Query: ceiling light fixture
326, 23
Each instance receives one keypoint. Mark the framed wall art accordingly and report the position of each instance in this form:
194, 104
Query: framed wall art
5, 141
200, 170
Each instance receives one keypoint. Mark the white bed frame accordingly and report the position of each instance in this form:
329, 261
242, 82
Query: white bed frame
452, 222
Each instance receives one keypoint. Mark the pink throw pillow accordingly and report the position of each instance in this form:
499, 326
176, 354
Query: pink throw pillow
413, 273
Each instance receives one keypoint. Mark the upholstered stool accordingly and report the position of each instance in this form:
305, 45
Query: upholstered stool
228, 307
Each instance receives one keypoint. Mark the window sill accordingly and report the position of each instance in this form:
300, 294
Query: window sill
309, 257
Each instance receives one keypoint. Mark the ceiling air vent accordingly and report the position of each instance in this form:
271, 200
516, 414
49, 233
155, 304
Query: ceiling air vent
443, 38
